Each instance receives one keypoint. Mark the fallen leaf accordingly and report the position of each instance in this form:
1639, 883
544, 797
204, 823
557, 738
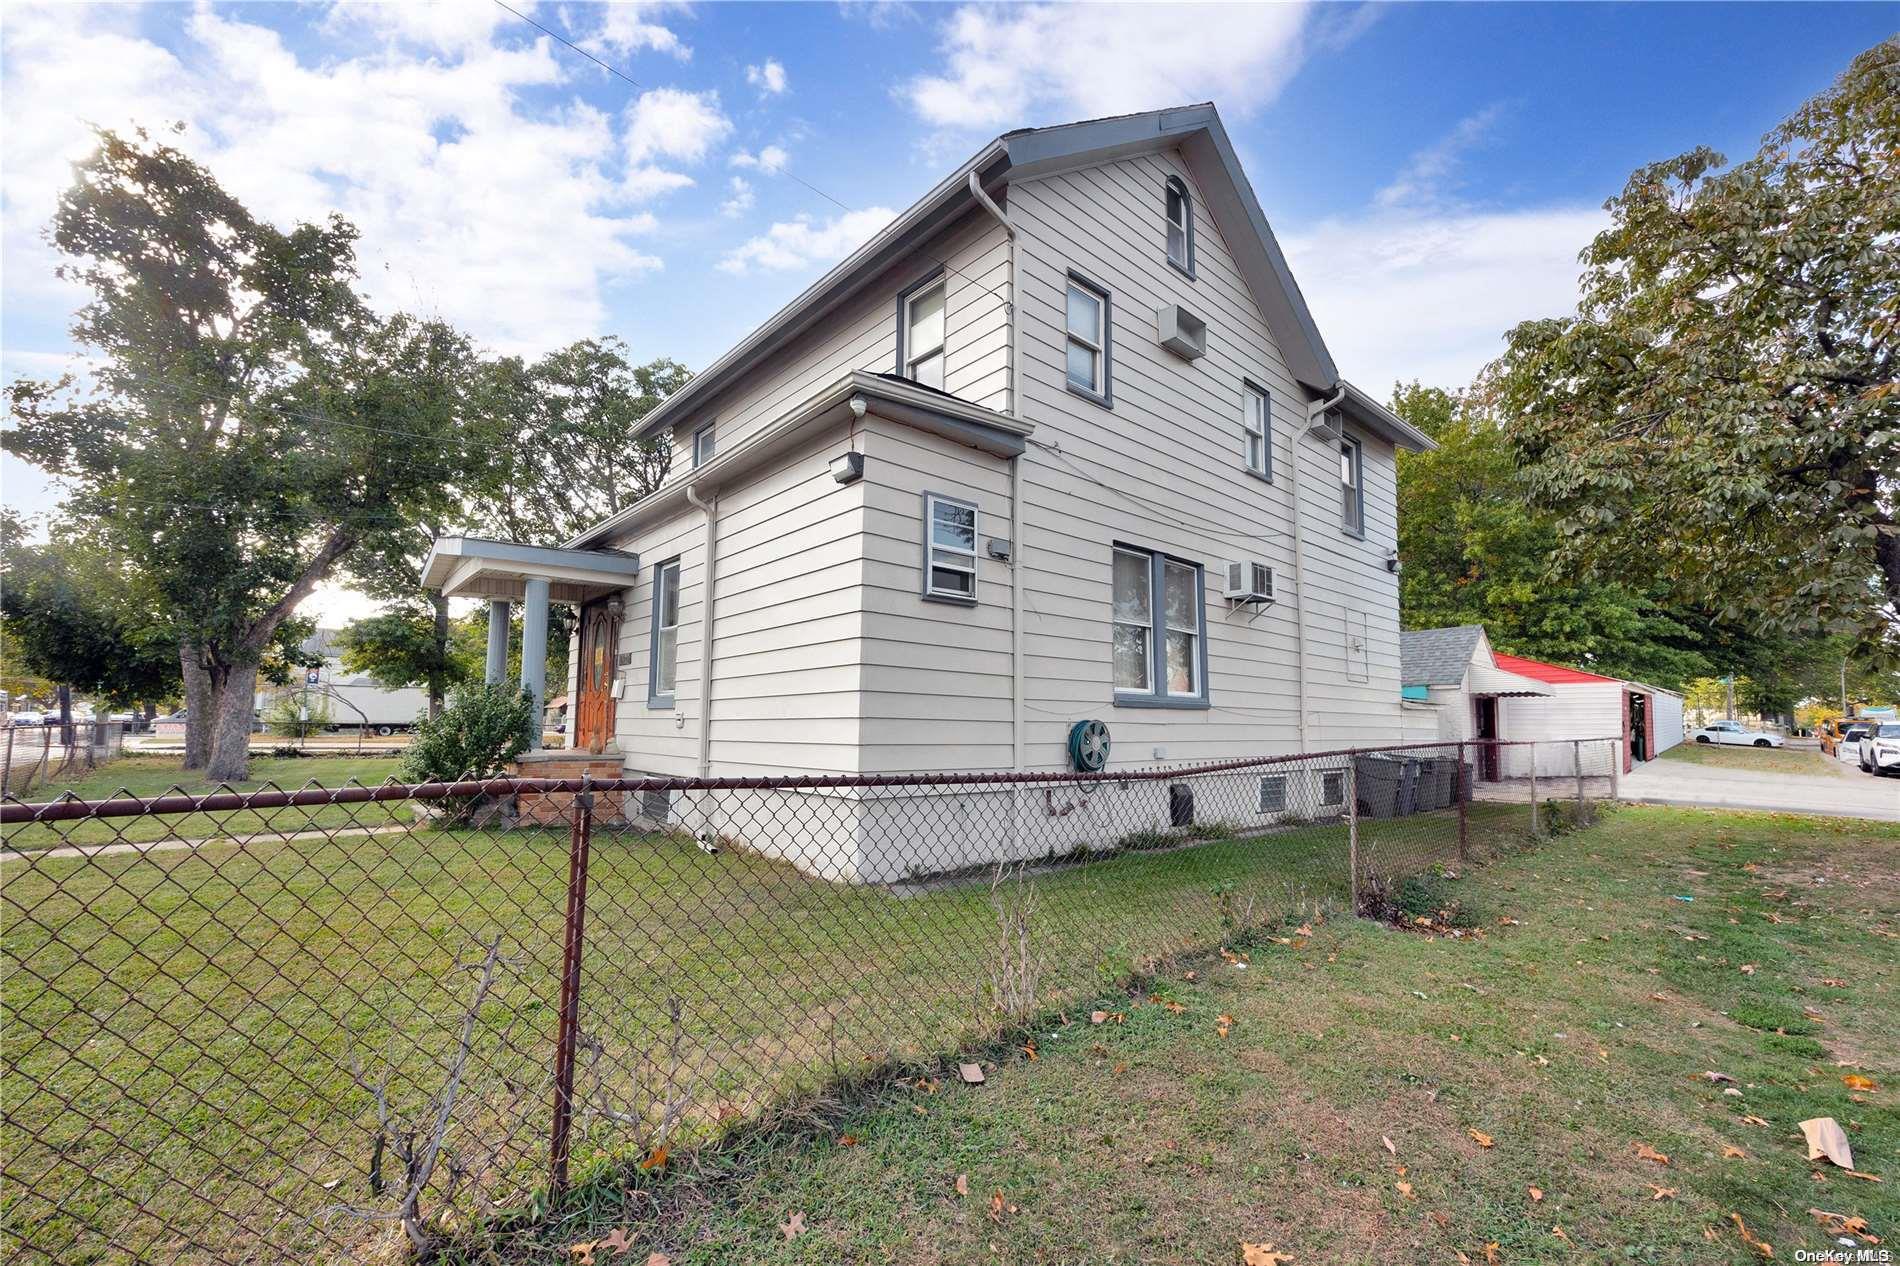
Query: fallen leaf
655, 1158
617, 1241
1645, 1152
1661, 1193
972, 1074
847, 1140
1098, 1017
793, 1227
1854, 1081
1224, 1024
1537, 1194
1748, 969
1443, 1219
1732, 1152
1559, 1233
1760, 1246
1841, 1224
582, 1253
1262, 1255
659, 1259
1390, 1146
1405, 1189
1029, 1049
996, 1205
1834, 982
1480, 1138
1713, 1076
1752, 1119
1855, 1173
1491, 1252
1826, 1138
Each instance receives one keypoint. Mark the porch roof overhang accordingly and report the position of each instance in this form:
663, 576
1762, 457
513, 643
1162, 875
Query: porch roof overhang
1486, 680
855, 394
476, 567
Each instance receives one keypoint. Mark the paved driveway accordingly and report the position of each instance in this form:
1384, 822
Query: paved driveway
1850, 794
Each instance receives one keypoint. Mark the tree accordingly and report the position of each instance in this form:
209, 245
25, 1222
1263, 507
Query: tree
251, 422
76, 615
404, 646
1723, 412
1477, 552
576, 459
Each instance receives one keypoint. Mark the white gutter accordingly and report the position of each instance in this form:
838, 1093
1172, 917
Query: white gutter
710, 507
1299, 554
1017, 689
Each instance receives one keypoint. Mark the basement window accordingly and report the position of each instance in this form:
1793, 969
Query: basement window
1273, 793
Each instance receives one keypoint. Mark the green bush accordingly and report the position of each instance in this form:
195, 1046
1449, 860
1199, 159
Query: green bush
297, 714
478, 733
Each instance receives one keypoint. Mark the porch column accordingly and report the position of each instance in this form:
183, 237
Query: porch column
534, 650
497, 641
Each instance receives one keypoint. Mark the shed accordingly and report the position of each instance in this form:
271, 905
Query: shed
1585, 705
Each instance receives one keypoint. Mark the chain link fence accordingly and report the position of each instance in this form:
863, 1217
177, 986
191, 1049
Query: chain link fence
43, 755
343, 1024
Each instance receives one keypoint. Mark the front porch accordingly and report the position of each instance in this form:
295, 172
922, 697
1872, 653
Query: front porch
537, 576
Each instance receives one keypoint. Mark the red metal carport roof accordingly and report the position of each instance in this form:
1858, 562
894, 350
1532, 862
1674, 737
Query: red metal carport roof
1538, 670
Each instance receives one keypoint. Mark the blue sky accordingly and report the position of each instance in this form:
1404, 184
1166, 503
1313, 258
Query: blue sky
1432, 169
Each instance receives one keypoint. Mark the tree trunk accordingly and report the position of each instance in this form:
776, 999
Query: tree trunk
438, 680
231, 732
198, 707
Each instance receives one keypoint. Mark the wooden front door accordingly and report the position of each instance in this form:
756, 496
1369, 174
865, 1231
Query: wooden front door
594, 702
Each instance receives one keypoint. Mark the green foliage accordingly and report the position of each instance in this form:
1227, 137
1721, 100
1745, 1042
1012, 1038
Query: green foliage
483, 728
1722, 414
75, 614
297, 714
1773, 1017
1477, 552
403, 647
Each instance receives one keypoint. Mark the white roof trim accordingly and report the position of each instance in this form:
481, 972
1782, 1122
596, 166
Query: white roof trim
476, 567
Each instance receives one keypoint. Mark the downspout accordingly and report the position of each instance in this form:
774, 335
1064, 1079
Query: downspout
1299, 558
1017, 691
710, 508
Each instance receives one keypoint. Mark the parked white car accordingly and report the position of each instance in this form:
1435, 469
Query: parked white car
27, 718
1880, 749
1735, 734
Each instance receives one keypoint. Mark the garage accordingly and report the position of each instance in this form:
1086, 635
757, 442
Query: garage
1585, 705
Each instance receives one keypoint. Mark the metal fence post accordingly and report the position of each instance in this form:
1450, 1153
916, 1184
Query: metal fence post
1462, 789
1536, 828
1583, 803
1352, 828
1616, 768
579, 837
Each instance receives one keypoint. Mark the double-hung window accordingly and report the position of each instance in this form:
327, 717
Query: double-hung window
702, 446
1256, 430
1087, 319
1352, 493
1180, 214
1160, 653
949, 549
663, 651
922, 329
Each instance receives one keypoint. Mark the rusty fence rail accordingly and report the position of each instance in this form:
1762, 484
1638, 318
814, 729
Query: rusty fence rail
344, 1023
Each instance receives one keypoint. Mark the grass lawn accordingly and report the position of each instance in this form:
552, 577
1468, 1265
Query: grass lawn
1778, 760
1516, 1074
149, 776
183, 1026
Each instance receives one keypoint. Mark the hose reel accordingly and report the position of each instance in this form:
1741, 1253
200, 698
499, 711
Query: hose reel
1088, 746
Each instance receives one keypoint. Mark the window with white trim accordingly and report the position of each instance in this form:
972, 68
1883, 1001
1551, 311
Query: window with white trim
1352, 494
702, 446
924, 335
663, 652
949, 549
1180, 216
1160, 659
1087, 322
1255, 429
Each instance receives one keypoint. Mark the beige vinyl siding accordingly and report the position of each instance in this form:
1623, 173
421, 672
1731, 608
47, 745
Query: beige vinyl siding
863, 335
1573, 710
1164, 469
660, 743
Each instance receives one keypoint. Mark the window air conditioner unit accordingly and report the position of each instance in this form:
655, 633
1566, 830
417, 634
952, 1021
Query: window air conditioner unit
1248, 582
1181, 332
1327, 426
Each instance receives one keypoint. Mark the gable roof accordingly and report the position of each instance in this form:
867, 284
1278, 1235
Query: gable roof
1031, 152
1556, 674
1438, 657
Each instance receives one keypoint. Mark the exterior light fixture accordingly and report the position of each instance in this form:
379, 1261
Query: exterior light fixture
847, 468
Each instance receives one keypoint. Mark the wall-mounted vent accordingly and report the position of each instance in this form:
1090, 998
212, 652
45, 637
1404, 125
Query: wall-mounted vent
1181, 332
1249, 581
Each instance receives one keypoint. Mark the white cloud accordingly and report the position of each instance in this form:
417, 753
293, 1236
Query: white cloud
503, 216
1430, 296
625, 29
1041, 63
804, 241
670, 123
1429, 177
742, 199
769, 79
771, 160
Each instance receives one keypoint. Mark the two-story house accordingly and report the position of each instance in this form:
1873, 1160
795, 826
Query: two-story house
1061, 444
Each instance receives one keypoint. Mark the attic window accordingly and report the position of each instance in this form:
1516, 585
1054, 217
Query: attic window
1180, 217
923, 335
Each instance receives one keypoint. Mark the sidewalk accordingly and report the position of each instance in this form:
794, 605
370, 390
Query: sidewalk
1677, 782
